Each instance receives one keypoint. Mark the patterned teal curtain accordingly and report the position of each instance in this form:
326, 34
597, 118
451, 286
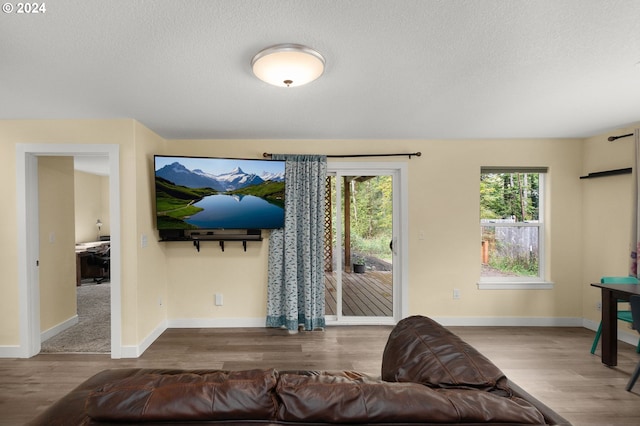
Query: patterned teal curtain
295, 293
635, 227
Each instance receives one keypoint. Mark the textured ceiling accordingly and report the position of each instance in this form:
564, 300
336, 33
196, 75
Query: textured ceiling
395, 69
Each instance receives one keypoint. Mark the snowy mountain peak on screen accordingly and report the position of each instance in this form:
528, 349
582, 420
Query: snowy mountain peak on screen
203, 173
237, 179
233, 173
198, 178
274, 177
180, 175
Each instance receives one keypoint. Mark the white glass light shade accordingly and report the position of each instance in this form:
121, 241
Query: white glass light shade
288, 65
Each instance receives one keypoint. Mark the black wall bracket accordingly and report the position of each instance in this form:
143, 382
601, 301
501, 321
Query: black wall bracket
608, 173
206, 235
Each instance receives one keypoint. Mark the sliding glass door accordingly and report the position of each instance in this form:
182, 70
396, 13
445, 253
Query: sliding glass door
363, 284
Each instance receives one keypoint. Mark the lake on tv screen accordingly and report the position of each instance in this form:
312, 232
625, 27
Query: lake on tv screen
237, 211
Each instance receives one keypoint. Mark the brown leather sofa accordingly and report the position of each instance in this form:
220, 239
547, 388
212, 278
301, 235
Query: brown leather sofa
429, 377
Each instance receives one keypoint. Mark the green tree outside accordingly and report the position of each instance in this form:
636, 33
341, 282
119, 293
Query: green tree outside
509, 196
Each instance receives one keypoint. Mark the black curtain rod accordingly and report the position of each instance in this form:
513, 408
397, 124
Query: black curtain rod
613, 138
608, 173
411, 154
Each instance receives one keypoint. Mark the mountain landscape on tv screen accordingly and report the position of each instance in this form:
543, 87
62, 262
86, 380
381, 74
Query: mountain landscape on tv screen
230, 181
196, 199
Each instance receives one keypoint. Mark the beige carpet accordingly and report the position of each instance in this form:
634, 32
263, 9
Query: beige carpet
92, 334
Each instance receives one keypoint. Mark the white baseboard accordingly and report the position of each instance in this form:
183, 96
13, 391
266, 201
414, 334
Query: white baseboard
134, 351
630, 337
509, 321
48, 334
591, 325
19, 351
331, 321
216, 322
12, 351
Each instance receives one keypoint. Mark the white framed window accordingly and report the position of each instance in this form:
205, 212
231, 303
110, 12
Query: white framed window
512, 226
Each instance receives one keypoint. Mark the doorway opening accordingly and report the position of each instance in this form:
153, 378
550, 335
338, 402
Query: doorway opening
365, 253
29, 241
74, 250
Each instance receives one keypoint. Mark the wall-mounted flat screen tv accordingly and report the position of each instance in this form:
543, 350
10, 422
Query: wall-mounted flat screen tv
218, 193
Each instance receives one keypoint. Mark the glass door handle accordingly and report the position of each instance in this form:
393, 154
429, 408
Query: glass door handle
391, 244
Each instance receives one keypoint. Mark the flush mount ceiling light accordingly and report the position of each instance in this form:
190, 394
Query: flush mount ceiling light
288, 65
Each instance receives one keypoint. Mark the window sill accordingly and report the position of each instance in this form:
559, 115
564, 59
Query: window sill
515, 285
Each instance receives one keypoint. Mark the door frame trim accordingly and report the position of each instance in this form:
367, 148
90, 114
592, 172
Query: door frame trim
28, 240
399, 171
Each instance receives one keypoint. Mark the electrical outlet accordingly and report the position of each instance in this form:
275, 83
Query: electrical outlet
599, 306
218, 299
456, 293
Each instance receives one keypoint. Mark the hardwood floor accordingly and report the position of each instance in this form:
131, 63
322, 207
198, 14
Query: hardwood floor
553, 364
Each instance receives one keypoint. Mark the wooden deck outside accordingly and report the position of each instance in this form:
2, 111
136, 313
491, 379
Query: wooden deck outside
368, 294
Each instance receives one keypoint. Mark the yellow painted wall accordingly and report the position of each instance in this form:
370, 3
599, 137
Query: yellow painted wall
444, 204
105, 206
9, 332
57, 241
194, 278
150, 309
606, 213
91, 204
449, 215
12, 132
444, 197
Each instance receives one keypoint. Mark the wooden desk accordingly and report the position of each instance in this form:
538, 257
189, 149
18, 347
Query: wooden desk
611, 293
